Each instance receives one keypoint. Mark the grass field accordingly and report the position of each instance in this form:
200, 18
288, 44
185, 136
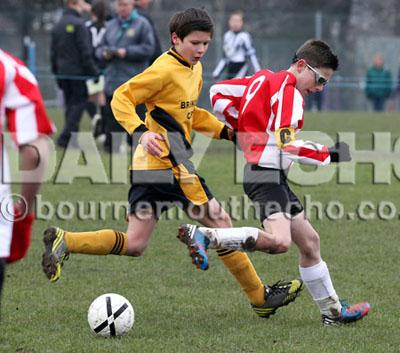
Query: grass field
182, 310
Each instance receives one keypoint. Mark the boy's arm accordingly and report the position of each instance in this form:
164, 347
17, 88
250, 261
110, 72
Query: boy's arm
289, 113
34, 158
34, 161
225, 97
208, 124
137, 90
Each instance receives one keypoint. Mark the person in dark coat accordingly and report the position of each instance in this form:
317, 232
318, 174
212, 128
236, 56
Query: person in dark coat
126, 48
72, 62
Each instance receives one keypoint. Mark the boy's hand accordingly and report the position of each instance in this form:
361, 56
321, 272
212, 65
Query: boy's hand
150, 144
340, 152
228, 134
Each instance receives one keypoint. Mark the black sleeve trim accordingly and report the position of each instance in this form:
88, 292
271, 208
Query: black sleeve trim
138, 133
224, 134
141, 128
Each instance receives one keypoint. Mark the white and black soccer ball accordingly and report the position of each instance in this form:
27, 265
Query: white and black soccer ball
111, 315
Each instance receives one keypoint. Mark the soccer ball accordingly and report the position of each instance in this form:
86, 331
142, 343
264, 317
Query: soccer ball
111, 315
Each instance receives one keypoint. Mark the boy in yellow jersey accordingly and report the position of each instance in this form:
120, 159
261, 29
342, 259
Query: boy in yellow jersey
162, 174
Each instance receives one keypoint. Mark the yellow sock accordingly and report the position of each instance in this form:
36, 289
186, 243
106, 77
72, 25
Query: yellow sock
243, 270
100, 242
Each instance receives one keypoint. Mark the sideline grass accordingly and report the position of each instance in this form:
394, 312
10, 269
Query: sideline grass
181, 309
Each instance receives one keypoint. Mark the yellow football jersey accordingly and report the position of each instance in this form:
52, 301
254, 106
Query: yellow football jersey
172, 86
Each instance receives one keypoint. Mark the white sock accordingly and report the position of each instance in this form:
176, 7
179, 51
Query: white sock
230, 238
318, 281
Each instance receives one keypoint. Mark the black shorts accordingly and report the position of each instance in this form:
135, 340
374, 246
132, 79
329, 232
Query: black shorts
270, 192
160, 190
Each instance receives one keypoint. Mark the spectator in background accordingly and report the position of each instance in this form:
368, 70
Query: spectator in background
72, 62
23, 112
237, 50
378, 84
127, 47
97, 29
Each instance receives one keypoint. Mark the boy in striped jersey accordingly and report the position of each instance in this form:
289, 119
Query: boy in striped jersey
267, 110
23, 115
162, 173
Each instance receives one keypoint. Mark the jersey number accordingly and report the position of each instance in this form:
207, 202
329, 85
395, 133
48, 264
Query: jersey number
253, 89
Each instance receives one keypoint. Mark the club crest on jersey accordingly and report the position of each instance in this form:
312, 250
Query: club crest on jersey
284, 137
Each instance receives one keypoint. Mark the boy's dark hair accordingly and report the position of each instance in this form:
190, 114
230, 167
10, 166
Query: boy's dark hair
190, 20
318, 54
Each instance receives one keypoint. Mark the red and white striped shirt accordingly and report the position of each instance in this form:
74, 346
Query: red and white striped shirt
22, 113
22, 109
267, 110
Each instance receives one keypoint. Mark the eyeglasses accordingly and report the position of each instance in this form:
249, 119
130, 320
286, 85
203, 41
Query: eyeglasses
319, 79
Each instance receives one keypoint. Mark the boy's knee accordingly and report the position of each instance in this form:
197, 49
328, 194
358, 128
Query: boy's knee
282, 245
226, 221
223, 220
